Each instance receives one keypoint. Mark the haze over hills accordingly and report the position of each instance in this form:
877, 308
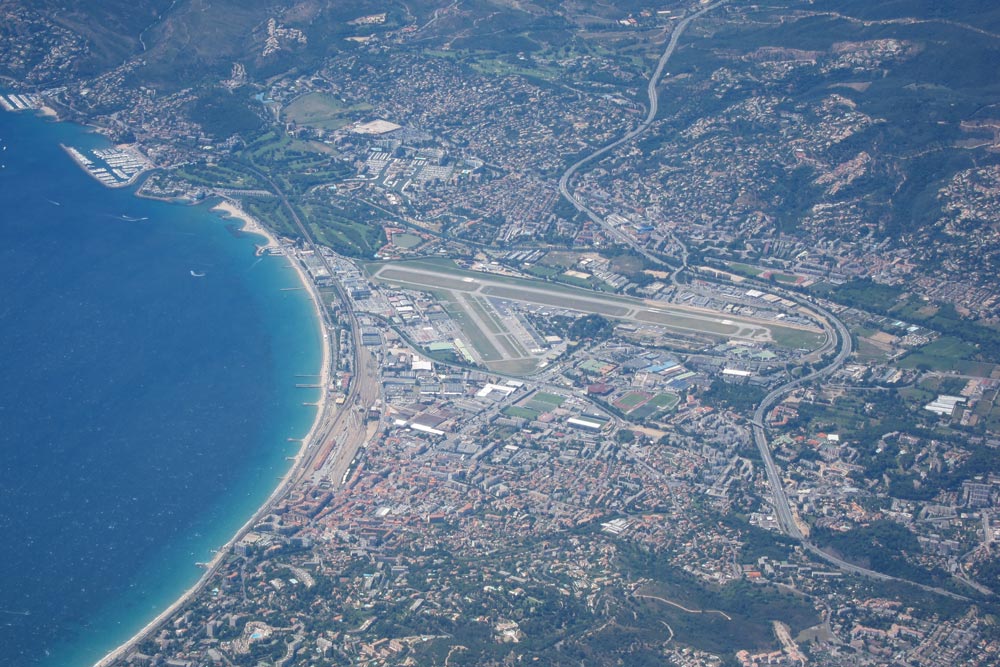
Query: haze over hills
659, 332
922, 122
110, 30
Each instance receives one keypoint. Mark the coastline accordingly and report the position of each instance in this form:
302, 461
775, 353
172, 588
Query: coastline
253, 226
80, 161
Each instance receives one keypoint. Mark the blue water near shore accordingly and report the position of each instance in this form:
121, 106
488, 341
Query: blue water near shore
144, 412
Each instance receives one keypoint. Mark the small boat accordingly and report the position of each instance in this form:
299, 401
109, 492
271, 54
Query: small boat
197, 274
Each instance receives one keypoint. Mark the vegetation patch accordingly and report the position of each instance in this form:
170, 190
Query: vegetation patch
590, 327
552, 400
737, 396
797, 339
943, 354
225, 174
223, 114
519, 411
323, 111
881, 546
721, 619
406, 241
868, 295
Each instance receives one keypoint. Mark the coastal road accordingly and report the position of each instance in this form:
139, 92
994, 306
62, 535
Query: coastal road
342, 434
363, 388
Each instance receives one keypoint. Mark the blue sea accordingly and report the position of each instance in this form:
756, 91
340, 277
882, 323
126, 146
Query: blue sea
145, 412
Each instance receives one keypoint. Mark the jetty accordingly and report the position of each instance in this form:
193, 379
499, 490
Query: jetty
114, 167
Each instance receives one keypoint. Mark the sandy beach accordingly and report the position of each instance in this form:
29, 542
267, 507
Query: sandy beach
252, 226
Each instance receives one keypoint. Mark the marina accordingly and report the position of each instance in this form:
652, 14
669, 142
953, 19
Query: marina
114, 167
101, 265
15, 102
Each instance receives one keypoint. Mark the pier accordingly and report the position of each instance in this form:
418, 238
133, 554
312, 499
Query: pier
113, 167
24, 102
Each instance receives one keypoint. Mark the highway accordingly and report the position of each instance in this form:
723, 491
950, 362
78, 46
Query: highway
782, 508
837, 332
654, 105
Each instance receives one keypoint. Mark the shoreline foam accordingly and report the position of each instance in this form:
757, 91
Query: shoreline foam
253, 226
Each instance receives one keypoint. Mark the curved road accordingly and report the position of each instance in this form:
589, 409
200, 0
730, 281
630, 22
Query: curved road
654, 104
782, 508
835, 328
